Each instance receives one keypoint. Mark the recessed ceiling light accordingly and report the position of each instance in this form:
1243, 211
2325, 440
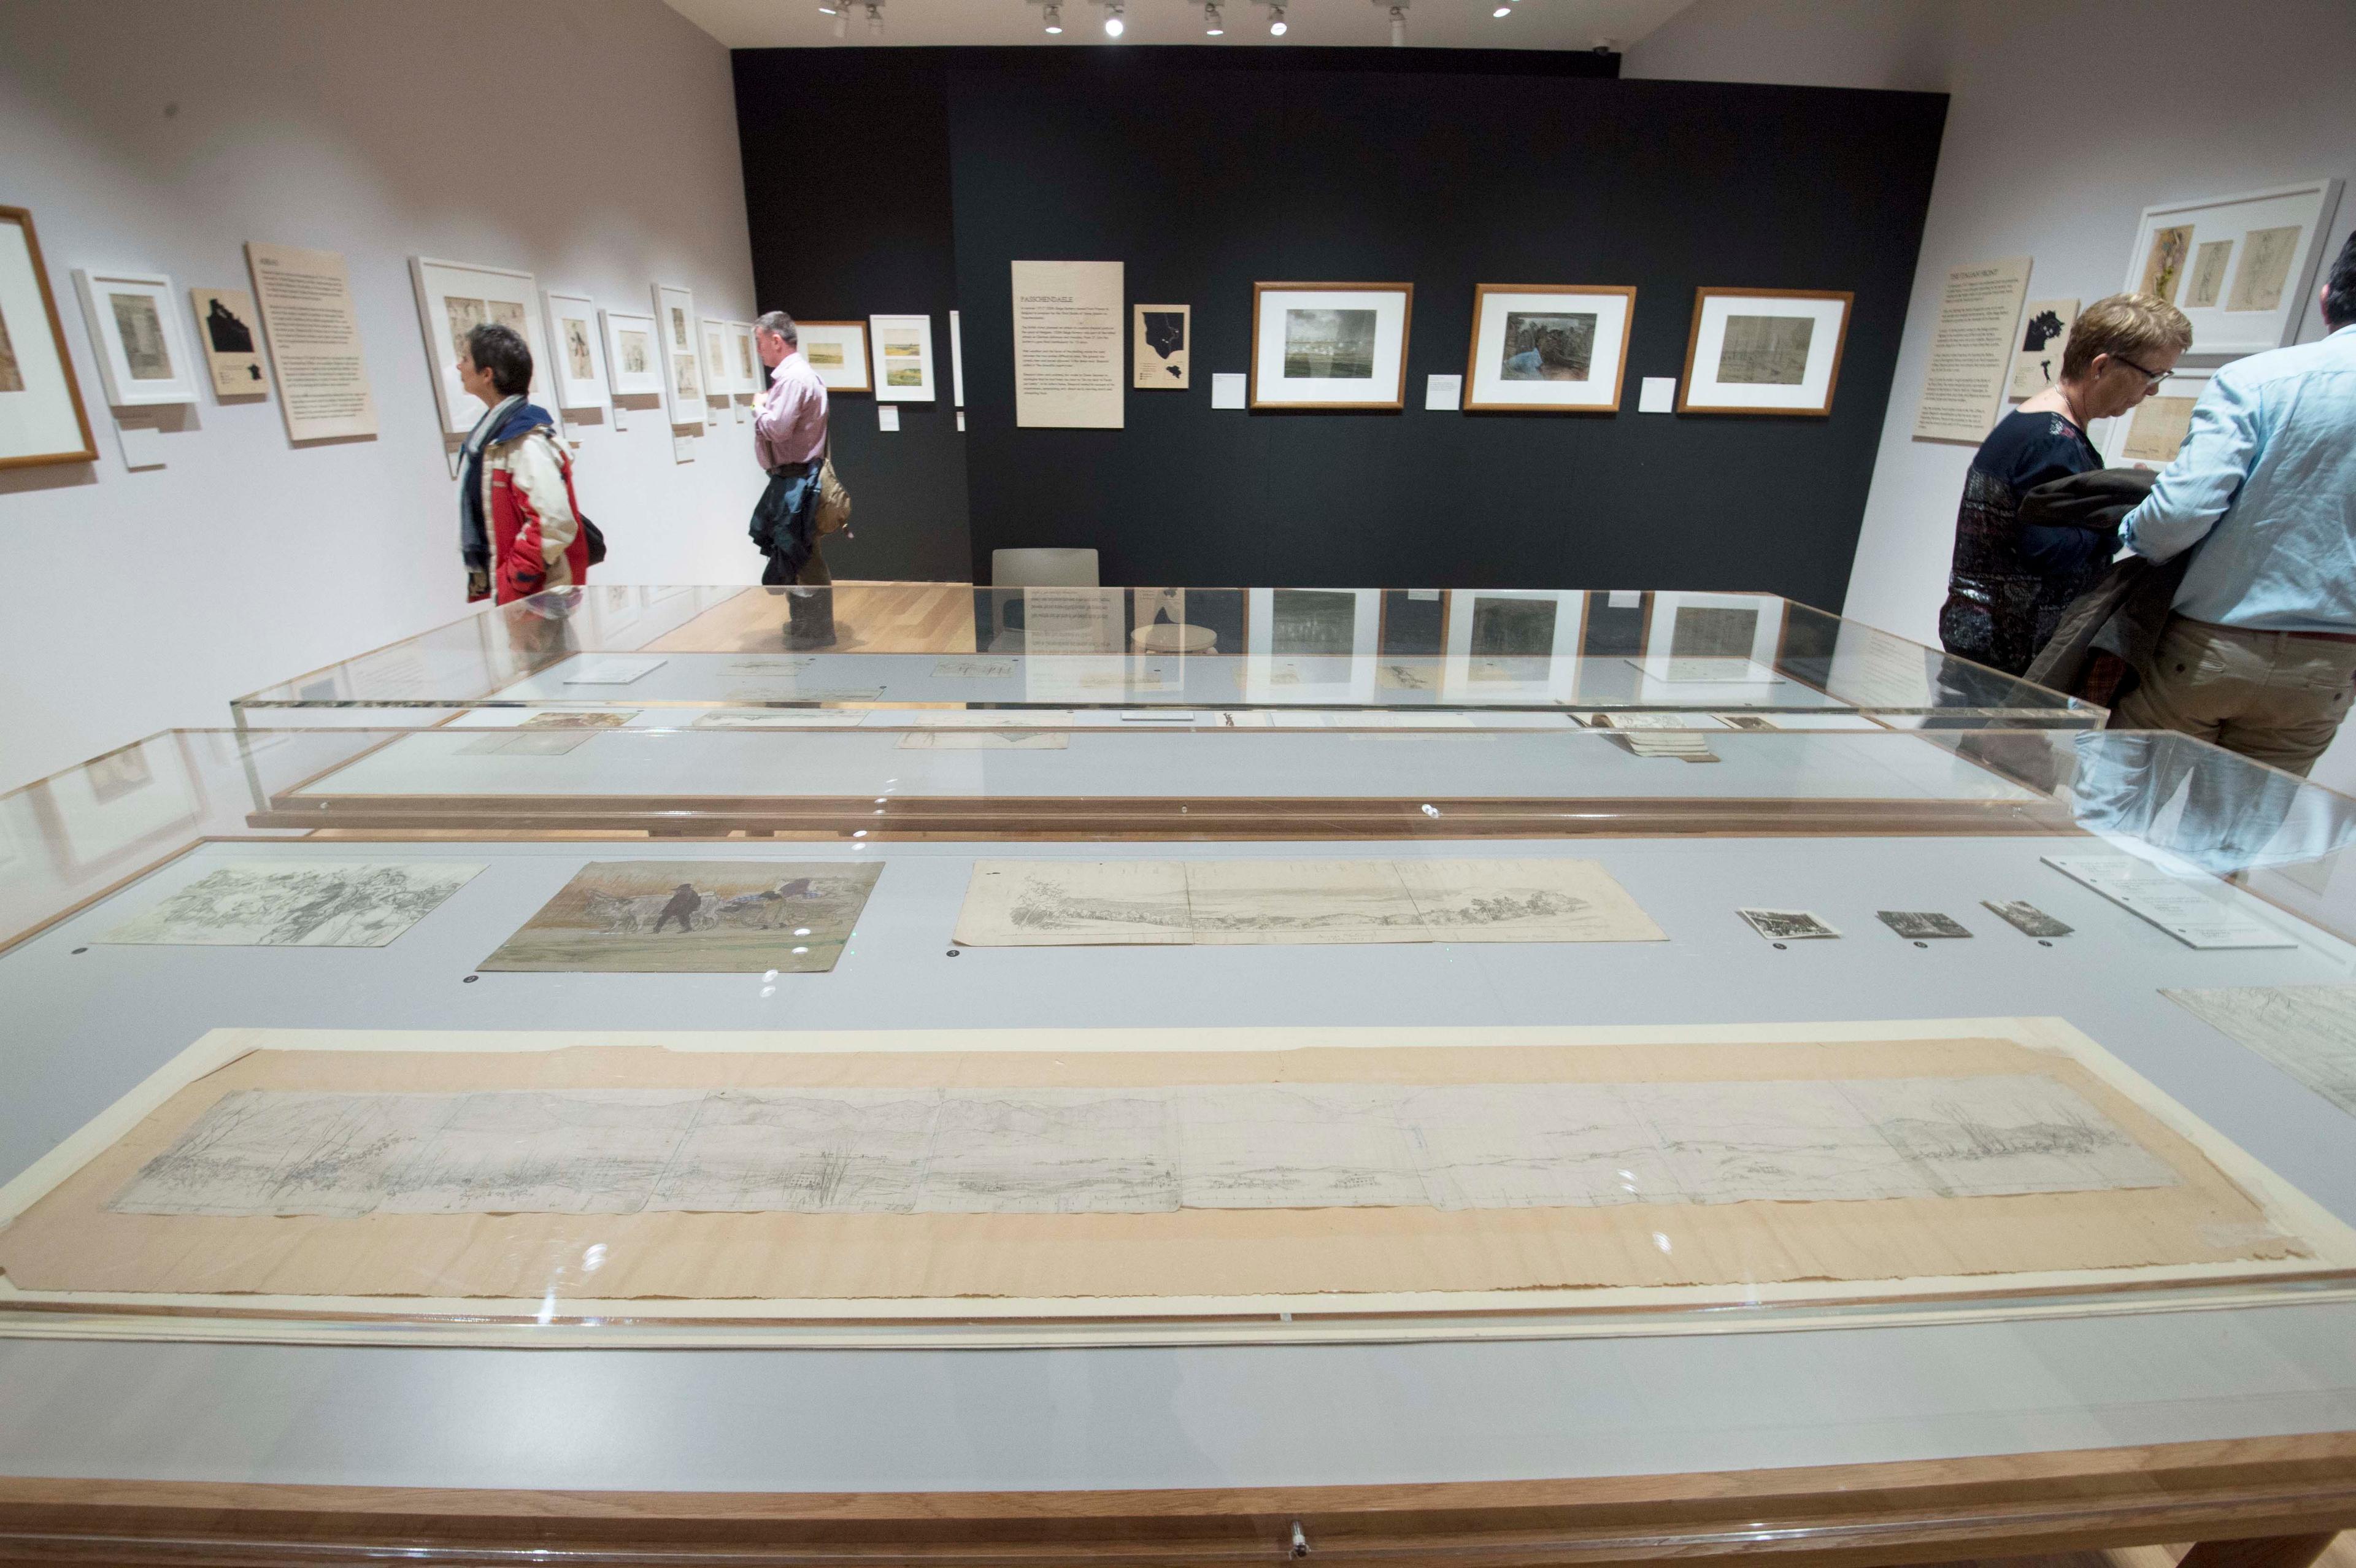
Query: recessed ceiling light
1275, 21
1211, 22
1054, 19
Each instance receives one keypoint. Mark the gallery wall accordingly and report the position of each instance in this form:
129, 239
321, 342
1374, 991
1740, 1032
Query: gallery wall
2068, 118
1204, 171
592, 145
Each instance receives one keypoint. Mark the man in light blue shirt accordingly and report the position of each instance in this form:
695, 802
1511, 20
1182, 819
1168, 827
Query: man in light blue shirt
2260, 653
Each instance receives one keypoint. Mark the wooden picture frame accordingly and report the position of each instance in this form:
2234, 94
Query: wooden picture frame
1703, 390
851, 374
1384, 385
1612, 316
42, 367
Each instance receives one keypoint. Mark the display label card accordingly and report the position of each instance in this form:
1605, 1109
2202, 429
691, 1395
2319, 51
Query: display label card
1443, 394
1624, 599
887, 418
1658, 395
1227, 389
683, 449
2184, 910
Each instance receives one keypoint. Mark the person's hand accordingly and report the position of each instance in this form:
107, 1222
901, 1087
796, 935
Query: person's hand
479, 584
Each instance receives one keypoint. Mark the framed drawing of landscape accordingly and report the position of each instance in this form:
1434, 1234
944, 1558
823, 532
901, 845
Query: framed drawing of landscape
1764, 351
749, 379
453, 299
1330, 346
2241, 268
837, 350
143, 357
633, 361
41, 416
2150, 434
682, 368
1547, 349
903, 358
579, 360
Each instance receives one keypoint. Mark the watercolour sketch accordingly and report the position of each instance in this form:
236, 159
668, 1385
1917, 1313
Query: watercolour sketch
694, 917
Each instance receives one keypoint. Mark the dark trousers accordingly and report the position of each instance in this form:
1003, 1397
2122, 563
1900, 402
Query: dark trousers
783, 527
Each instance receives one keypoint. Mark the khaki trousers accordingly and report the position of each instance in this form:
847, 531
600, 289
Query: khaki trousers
2274, 696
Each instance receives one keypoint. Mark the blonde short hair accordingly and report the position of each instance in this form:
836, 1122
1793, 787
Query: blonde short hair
2125, 326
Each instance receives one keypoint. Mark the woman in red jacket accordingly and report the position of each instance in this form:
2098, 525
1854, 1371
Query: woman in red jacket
520, 529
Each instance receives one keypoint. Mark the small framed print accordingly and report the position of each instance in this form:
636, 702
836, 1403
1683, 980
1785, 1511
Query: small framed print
228, 334
682, 384
903, 359
1330, 346
633, 356
453, 299
2150, 434
1547, 348
44, 422
837, 350
2241, 268
578, 362
1162, 347
142, 355
1764, 351
749, 379
719, 362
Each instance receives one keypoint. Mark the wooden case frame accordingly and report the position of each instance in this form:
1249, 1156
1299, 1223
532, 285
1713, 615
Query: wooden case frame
1480, 291
1398, 400
1693, 343
866, 367
88, 451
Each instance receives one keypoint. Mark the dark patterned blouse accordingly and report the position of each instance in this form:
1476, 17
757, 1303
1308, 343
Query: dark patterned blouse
2009, 584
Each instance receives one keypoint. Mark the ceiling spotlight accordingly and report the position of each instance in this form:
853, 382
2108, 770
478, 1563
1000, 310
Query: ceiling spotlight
1399, 26
1114, 26
875, 18
1275, 21
1211, 22
1502, 11
828, 7
1054, 19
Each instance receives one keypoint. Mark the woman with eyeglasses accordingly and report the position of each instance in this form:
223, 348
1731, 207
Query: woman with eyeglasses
2010, 581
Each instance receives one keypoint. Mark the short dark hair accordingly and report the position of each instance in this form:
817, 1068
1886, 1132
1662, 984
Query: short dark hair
502, 351
2339, 301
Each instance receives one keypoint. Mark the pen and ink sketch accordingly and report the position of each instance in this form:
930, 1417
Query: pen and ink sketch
636, 353
141, 327
1921, 924
1060, 903
1328, 345
1157, 1149
2266, 268
2163, 265
1786, 925
298, 903
1765, 350
2208, 284
2157, 429
577, 349
1547, 347
683, 378
694, 917
2025, 917
679, 339
2308, 1032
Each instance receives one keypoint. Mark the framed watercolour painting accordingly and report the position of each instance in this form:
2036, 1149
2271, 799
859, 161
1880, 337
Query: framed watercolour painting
682, 368
143, 357
578, 363
453, 299
633, 360
2241, 268
1545, 348
1764, 351
41, 416
837, 350
903, 359
1330, 346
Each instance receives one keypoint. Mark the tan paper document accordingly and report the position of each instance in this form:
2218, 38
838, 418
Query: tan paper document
1972, 350
304, 298
1067, 345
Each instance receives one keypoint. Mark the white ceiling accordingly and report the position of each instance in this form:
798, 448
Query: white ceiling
1439, 24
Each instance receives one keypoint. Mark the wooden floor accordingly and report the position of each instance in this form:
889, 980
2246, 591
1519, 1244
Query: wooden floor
2341, 1554
869, 617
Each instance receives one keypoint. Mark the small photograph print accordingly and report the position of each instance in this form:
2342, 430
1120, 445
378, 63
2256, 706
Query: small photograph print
637, 353
1786, 925
141, 328
2266, 268
2025, 917
1921, 924
12, 376
2208, 274
2163, 266
694, 917
1543, 347
1765, 350
1328, 345
465, 317
577, 349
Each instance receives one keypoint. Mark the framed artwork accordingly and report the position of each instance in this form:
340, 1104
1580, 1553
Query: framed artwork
228, 334
577, 366
1162, 347
143, 357
1701, 648
1312, 644
1545, 348
2241, 268
837, 350
633, 357
749, 379
719, 362
682, 370
2150, 434
1512, 645
453, 299
1764, 351
1330, 346
41, 416
903, 358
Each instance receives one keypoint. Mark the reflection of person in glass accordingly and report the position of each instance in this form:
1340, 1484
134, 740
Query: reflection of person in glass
789, 439
228, 334
2010, 581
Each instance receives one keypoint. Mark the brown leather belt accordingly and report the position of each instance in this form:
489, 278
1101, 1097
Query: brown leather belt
2273, 632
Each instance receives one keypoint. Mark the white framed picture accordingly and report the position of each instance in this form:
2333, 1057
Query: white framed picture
1330, 346
142, 355
1312, 644
453, 299
633, 354
2241, 268
903, 358
837, 350
682, 367
1512, 645
1764, 351
719, 362
1710, 648
2150, 434
1544, 348
577, 366
749, 379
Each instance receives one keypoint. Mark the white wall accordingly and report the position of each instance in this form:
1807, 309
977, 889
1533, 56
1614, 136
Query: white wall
2067, 118
594, 145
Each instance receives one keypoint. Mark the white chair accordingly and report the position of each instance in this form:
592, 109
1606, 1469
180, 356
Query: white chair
1042, 569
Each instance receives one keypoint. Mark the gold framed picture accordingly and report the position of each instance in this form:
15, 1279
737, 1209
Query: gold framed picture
1764, 351
1547, 347
1330, 346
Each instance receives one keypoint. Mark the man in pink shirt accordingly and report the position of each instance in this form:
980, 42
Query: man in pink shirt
789, 439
